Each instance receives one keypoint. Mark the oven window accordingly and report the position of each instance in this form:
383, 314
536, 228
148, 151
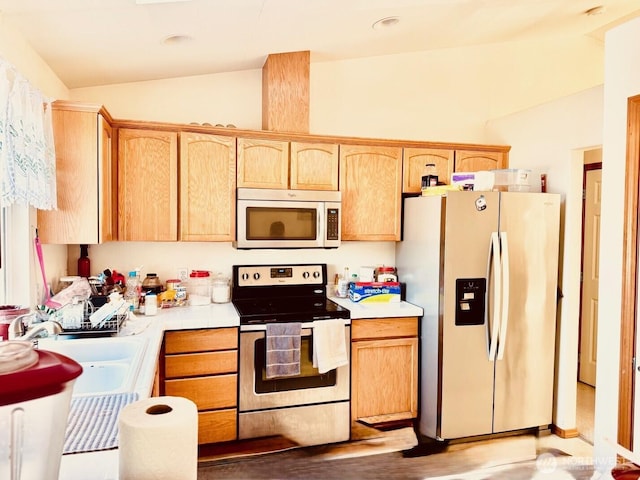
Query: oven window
309, 376
268, 223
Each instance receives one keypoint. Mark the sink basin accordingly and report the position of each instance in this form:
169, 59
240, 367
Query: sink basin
109, 365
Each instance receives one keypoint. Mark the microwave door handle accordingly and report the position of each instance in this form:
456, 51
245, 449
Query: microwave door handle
319, 225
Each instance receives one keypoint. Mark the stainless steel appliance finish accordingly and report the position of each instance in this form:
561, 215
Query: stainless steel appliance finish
484, 267
270, 218
310, 408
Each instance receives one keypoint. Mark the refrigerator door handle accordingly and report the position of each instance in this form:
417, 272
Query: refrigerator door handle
494, 324
504, 260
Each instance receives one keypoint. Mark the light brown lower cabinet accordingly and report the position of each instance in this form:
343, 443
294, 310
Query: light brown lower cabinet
384, 369
202, 365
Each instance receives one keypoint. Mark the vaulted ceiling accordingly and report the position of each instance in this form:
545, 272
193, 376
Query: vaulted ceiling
99, 42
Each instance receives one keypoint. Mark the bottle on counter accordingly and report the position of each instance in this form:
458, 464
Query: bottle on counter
150, 303
84, 264
343, 284
132, 292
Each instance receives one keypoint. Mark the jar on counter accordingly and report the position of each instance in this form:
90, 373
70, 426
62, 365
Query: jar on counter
221, 289
386, 274
152, 283
199, 287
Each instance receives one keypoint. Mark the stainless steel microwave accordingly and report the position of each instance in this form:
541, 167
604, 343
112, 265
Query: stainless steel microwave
270, 218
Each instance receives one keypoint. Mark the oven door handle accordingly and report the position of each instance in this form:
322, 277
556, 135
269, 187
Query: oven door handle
307, 327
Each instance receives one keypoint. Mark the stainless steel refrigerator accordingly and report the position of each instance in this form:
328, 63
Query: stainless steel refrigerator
484, 267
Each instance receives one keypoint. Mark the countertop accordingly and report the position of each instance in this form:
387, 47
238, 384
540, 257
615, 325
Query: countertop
103, 465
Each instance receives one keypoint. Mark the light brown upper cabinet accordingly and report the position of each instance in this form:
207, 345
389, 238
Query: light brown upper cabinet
314, 166
472, 161
413, 166
207, 187
147, 185
263, 163
84, 177
371, 186
284, 165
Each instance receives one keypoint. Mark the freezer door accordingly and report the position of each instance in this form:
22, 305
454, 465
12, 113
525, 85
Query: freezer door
524, 377
419, 263
467, 372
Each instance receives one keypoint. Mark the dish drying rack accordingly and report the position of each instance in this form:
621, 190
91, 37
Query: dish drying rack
76, 320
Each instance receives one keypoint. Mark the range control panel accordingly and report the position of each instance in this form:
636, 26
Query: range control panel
272, 275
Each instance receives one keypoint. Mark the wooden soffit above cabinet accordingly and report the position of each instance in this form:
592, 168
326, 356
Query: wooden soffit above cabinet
285, 92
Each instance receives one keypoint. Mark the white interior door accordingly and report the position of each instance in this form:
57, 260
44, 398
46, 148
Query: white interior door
589, 307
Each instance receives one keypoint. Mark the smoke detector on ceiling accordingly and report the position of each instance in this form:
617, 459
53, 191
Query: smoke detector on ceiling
599, 10
386, 22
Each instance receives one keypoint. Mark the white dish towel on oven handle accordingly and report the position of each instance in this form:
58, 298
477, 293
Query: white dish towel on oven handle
329, 345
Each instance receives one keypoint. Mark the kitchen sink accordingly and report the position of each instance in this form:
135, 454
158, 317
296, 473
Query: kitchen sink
109, 365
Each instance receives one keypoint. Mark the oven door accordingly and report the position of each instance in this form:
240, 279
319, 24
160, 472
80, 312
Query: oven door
310, 387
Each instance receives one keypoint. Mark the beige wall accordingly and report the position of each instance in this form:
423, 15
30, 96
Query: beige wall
15, 50
622, 72
446, 95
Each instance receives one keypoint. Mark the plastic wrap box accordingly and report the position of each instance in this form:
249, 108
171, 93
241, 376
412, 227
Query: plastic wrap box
370, 292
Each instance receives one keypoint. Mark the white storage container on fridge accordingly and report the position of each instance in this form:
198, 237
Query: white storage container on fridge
35, 395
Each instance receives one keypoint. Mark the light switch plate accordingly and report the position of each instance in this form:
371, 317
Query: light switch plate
183, 274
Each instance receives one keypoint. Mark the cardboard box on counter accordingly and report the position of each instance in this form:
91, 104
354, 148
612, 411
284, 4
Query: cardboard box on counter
369, 292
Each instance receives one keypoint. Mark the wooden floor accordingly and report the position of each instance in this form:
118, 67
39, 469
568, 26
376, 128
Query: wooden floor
385, 455
585, 411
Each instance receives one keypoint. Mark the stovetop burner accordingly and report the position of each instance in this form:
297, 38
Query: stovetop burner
283, 293
288, 309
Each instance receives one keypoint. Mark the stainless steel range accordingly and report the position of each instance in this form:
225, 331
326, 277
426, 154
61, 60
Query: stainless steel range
310, 408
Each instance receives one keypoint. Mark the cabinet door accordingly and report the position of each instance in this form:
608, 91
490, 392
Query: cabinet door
207, 187
84, 179
217, 426
472, 161
314, 166
371, 186
263, 163
147, 185
208, 393
108, 177
204, 340
414, 161
384, 380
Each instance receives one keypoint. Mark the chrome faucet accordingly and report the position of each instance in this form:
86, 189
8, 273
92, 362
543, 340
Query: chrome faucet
19, 330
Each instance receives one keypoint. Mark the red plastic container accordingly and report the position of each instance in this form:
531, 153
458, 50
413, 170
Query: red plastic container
34, 406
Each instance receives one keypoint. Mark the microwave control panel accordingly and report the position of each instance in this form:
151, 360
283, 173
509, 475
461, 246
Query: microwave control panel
333, 218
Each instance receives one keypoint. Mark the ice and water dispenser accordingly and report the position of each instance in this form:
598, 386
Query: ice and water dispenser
470, 301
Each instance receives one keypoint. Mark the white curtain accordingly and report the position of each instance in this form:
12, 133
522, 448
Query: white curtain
27, 154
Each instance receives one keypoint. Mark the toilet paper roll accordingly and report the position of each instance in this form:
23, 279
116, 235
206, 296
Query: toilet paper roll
158, 439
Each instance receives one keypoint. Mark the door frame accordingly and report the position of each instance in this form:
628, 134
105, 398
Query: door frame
629, 307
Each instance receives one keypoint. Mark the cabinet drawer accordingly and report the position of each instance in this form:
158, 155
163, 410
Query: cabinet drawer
206, 340
207, 392
384, 328
207, 363
217, 426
